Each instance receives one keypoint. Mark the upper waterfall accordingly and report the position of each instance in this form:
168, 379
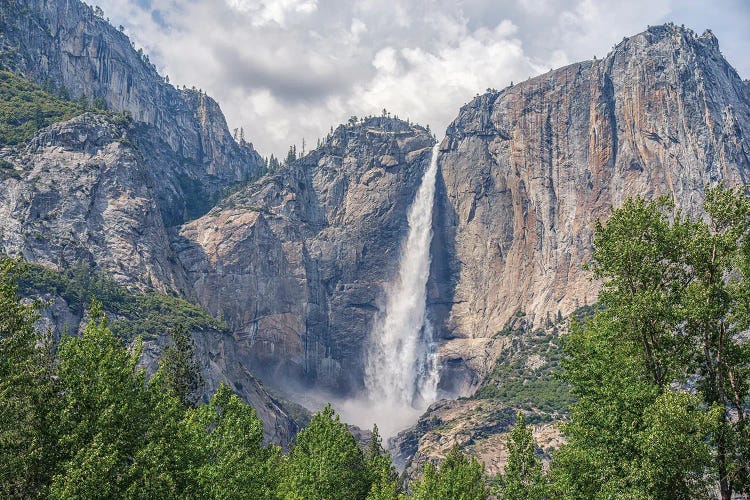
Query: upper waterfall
401, 371
400, 363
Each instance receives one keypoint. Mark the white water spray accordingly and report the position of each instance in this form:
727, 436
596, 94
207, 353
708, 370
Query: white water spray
400, 367
401, 373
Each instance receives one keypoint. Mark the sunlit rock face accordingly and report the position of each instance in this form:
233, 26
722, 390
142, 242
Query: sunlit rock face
185, 138
526, 172
296, 262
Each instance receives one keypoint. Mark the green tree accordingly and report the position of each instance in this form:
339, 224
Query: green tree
674, 306
383, 475
228, 453
291, 155
458, 478
165, 456
523, 476
105, 412
326, 462
717, 313
180, 370
28, 399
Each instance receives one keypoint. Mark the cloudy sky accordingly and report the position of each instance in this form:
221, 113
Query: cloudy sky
290, 69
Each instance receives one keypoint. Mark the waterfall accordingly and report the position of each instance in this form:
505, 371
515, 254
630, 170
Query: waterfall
400, 364
401, 371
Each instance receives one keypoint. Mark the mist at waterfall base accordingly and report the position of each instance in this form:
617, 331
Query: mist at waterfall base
401, 371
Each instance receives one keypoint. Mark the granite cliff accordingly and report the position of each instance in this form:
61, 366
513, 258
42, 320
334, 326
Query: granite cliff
104, 188
183, 134
295, 261
525, 173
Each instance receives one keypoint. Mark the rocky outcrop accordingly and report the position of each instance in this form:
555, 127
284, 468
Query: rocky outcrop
64, 44
81, 192
478, 427
296, 262
525, 173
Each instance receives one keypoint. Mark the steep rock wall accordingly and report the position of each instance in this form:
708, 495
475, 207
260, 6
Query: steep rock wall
296, 262
526, 172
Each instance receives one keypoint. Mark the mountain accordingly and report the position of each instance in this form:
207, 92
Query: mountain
296, 261
143, 182
182, 133
526, 172
105, 188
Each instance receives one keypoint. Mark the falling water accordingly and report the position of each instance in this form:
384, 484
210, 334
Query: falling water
401, 368
401, 373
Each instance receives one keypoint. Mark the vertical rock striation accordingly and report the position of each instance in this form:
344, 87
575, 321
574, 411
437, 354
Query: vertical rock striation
526, 172
64, 44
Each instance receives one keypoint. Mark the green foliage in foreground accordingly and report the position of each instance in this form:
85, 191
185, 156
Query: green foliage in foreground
146, 314
458, 477
662, 373
523, 478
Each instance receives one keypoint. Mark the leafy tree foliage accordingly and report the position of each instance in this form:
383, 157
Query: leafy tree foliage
27, 403
227, 438
523, 478
457, 478
104, 414
661, 373
326, 462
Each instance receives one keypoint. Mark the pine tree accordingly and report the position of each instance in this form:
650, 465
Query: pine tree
383, 475
325, 463
101, 391
458, 478
523, 478
227, 439
179, 368
291, 155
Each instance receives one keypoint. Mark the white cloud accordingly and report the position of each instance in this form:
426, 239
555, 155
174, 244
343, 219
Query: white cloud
288, 69
429, 86
265, 11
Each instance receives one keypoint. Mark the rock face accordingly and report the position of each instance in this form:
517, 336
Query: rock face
477, 427
296, 262
81, 192
104, 189
65, 44
525, 173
